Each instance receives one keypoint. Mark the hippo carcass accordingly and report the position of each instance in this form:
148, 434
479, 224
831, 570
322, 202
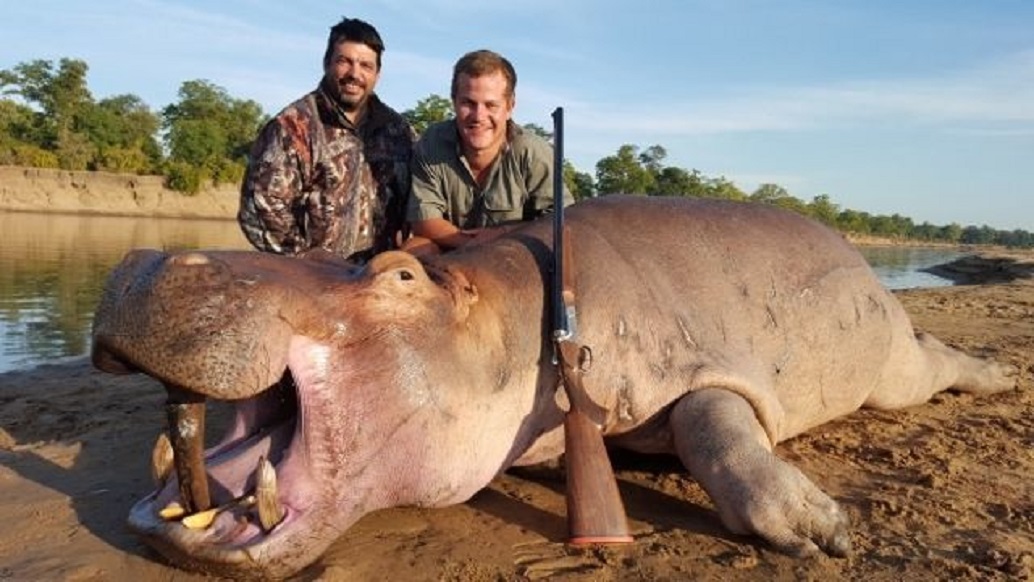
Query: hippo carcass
718, 330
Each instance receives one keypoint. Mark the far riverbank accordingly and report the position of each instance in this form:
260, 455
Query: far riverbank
104, 193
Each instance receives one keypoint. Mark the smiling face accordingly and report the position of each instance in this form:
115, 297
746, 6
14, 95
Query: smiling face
352, 73
484, 105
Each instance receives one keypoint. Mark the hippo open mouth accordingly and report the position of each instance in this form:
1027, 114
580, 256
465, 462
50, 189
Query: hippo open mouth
224, 327
228, 501
230, 491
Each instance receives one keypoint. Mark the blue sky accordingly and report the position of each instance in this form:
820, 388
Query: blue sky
922, 108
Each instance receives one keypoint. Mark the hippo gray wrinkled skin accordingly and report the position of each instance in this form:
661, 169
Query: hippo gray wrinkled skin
718, 330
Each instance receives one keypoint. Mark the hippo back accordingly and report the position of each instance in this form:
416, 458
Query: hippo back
677, 294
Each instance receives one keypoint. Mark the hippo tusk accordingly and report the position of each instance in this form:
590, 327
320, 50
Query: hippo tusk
270, 511
161, 459
204, 519
186, 415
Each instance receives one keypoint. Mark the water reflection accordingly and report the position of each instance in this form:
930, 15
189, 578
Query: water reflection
900, 267
53, 267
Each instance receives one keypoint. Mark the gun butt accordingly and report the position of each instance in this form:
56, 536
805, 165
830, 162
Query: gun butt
595, 513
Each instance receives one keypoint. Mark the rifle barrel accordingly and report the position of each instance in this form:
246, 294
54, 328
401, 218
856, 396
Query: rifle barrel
561, 323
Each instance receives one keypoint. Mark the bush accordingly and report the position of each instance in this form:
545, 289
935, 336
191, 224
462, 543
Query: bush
23, 154
229, 172
183, 177
123, 160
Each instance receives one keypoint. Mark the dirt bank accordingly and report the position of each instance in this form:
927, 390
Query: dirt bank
45, 190
942, 491
987, 266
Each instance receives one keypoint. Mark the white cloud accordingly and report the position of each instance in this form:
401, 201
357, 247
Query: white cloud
1000, 91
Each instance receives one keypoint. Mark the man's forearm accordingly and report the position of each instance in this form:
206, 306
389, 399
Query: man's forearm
442, 232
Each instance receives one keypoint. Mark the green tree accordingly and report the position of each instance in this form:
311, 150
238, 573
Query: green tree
15, 130
824, 210
539, 131
893, 226
124, 129
768, 193
428, 111
926, 232
208, 133
951, 232
623, 173
74, 150
853, 221
973, 235
1015, 238
651, 158
723, 188
673, 181
579, 183
776, 195
62, 99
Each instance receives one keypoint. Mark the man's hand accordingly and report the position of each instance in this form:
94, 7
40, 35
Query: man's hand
446, 236
419, 246
442, 233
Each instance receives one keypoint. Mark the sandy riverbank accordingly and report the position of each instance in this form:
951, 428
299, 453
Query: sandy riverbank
942, 491
46, 190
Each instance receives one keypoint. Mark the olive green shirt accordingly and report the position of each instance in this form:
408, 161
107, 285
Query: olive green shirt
519, 185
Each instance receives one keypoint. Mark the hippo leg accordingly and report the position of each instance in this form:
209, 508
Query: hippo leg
926, 366
719, 439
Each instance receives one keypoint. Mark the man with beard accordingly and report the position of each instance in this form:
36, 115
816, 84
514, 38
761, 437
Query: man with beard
331, 171
477, 174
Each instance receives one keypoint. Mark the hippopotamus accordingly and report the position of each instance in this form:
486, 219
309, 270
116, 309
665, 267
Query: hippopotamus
717, 329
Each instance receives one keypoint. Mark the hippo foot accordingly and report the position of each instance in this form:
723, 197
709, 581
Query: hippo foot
974, 375
768, 497
725, 448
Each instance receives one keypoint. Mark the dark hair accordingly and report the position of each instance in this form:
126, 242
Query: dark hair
353, 30
484, 62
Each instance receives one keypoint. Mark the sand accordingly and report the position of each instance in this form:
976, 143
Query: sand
942, 491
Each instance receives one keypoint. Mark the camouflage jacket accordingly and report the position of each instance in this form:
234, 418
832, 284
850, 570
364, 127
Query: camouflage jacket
315, 180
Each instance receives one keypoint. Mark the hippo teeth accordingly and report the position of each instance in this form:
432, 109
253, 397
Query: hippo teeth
161, 459
270, 511
186, 416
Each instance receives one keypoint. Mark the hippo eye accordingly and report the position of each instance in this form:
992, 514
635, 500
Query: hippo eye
405, 275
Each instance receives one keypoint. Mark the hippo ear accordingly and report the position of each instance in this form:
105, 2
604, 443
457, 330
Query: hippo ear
409, 270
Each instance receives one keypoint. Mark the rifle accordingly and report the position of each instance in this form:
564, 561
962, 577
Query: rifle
595, 513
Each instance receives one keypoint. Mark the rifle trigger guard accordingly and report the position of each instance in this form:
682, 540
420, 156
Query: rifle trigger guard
584, 359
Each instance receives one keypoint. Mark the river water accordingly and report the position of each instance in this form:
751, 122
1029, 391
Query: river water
53, 267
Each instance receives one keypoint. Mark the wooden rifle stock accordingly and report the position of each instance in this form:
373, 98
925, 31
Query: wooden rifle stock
595, 514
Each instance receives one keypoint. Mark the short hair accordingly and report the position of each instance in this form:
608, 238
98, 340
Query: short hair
353, 30
484, 62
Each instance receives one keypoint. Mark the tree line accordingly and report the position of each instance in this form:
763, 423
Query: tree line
50, 119
57, 123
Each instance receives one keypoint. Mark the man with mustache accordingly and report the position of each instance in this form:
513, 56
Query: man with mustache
477, 174
331, 170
